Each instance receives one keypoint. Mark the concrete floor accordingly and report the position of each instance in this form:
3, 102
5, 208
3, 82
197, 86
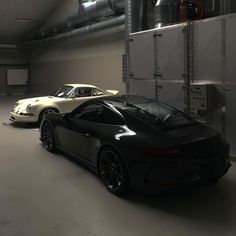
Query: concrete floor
43, 194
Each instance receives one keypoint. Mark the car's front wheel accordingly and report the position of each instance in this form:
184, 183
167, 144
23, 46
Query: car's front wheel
113, 172
48, 137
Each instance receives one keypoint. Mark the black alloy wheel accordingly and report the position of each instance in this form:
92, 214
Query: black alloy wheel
48, 137
113, 172
45, 112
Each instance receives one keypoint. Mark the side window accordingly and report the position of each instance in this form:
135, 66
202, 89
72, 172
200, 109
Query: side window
88, 113
97, 92
83, 92
99, 114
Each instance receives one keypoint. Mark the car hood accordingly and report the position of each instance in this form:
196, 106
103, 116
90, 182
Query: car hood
39, 100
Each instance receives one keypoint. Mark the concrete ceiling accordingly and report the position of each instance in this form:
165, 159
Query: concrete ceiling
36, 11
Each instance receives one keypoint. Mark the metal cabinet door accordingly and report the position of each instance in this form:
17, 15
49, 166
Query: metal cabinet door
170, 52
142, 55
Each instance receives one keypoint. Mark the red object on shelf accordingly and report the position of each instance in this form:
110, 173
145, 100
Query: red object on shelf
190, 10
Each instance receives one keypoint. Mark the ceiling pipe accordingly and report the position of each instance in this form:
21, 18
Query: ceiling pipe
89, 11
166, 12
8, 46
99, 29
136, 15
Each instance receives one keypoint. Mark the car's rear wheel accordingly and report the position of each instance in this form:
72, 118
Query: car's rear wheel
113, 172
48, 137
45, 112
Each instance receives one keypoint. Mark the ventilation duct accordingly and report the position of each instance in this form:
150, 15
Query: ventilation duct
166, 12
136, 11
89, 11
99, 29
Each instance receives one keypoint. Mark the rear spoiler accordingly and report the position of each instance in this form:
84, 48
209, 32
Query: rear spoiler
114, 92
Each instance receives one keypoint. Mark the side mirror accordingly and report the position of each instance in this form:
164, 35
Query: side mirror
66, 116
73, 95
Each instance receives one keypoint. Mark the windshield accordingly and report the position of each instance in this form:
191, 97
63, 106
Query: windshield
158, 114
63, 91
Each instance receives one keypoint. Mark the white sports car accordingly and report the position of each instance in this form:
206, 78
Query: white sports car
65, 99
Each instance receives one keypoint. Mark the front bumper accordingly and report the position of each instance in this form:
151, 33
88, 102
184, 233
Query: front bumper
164, 174
18, 118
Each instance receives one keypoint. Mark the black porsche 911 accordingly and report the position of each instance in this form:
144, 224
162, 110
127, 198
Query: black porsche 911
136, 142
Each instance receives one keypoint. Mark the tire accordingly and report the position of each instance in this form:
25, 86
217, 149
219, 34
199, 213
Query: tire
44, 113
48, 137
113, 172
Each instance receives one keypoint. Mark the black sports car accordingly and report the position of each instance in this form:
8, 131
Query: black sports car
133, 141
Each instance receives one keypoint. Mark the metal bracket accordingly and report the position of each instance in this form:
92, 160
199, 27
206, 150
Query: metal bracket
157, 74
155, 35
184, 31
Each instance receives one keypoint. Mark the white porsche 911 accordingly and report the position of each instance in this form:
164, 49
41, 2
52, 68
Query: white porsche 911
65, 99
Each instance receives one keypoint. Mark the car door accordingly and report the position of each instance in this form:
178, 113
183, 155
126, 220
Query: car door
78, 134
86, 128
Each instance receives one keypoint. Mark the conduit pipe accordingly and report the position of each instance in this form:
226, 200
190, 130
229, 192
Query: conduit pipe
89, 11
102, 28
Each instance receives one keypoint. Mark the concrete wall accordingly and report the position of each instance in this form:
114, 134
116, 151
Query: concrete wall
97, 62
2, 80
9, 58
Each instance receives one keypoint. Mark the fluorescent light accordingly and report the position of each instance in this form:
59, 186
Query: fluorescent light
26, 20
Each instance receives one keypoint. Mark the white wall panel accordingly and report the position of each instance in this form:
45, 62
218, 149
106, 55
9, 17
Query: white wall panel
17, 77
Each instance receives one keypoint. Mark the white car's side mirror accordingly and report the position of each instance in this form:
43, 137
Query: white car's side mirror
73, 95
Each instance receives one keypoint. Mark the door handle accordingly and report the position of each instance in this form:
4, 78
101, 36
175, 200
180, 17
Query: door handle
86, 135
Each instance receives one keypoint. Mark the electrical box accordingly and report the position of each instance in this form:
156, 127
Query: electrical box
201, 97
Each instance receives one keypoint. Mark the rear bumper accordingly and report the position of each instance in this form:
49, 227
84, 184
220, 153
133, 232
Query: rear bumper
167, 174
22, 118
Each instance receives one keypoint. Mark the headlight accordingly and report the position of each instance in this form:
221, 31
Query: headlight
28, 108
16, 105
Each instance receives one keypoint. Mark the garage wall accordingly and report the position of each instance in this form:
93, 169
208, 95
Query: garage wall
97, 62
9, 58
2, 80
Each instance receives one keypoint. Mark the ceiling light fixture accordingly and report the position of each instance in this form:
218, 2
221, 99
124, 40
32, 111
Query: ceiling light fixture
26, 20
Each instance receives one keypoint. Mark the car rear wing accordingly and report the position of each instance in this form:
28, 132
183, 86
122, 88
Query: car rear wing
115, 92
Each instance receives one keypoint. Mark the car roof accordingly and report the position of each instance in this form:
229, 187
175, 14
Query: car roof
81, 85
123, 101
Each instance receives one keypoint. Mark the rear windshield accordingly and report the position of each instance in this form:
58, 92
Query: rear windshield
157, 114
